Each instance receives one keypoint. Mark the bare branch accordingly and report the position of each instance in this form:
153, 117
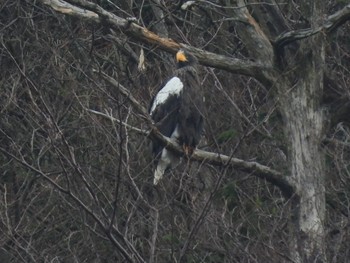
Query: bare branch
259, 45
82, 205
330, 24
68, 9
259, 170
96, 14
337, 19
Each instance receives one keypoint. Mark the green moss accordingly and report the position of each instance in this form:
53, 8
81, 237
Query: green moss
226, 135
171, 239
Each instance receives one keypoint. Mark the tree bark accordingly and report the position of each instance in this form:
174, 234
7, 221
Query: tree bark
304, 121
300, 88
304, 131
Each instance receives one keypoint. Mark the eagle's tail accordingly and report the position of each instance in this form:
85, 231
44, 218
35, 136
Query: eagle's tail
166, 160
158, 174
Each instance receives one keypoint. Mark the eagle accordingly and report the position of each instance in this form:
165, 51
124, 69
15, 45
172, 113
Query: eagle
177, 112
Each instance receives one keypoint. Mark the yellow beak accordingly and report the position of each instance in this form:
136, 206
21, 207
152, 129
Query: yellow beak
180, 56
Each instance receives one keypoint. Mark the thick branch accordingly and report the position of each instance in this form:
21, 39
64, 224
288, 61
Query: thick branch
330, 24
255, 39
337, 19
98, 15
94, 13
259, 170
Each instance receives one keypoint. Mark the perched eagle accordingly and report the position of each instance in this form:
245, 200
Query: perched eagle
176, 110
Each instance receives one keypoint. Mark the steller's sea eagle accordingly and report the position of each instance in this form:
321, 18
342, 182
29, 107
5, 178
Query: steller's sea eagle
176, 110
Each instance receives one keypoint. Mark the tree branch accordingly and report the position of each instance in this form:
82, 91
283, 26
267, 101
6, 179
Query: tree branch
259, 45
94, 13
264, 172
330, 24
128, 257
337, 19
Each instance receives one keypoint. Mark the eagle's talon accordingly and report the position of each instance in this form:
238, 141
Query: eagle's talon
188, 150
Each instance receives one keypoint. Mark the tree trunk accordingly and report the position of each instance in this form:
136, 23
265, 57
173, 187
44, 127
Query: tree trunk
299, 82
304, 130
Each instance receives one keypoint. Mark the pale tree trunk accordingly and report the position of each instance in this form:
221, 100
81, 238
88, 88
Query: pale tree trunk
298, 79
299, 86
304, 120
304, 127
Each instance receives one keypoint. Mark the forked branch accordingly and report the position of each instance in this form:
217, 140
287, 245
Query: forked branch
95, 14
329, 25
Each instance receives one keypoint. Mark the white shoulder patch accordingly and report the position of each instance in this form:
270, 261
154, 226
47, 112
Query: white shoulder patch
173, 87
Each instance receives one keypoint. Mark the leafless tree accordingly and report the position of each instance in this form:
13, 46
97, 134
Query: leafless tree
270, 179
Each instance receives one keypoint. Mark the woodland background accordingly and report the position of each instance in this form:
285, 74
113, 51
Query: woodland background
76, 186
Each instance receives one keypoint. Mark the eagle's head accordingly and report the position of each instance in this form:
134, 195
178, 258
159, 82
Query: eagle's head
183, 59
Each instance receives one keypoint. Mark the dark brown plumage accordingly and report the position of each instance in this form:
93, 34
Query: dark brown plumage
176, 110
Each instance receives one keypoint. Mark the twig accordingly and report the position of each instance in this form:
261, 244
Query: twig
96, 14
259, 170
330, 24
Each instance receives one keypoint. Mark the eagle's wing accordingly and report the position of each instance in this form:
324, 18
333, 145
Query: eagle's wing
164, 109
190, 113
173, 87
